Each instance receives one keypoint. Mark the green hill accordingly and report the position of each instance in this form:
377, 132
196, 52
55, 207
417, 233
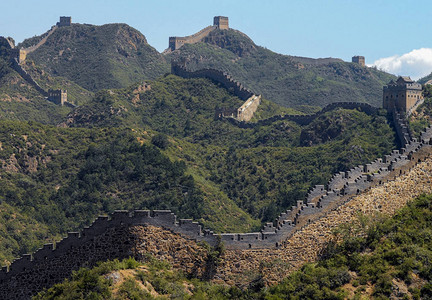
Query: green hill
20, 101
287, 80
97, 57
147, 146
243, 163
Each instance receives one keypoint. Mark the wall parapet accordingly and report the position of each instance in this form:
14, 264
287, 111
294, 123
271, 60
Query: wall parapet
245, 112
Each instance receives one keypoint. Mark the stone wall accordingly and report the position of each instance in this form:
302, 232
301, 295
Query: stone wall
105, 240
295, 237
176, 42
41, 42
306, 119
245, 112
359, 60
306, 244
26, 76
219, 76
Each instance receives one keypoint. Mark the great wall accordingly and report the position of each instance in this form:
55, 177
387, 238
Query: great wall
242, 114
54, 262
295, 237
17, 57
176, 42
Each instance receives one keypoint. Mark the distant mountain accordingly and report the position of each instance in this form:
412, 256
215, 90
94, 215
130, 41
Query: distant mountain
98, 57
287, 80
425, 79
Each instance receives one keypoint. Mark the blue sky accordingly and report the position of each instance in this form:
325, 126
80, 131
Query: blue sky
385, 32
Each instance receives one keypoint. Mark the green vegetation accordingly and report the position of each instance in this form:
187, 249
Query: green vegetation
391, 259
265, 169
97, 57
228, 178
63, 178
19, 101
285, 80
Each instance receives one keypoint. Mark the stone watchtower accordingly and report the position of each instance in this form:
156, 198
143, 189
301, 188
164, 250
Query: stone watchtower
221, 22
402, 94
359, 60
64, 21
58, 97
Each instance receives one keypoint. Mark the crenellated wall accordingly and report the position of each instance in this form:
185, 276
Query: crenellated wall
41, 42
242, 114
84, 248
175, 42
119, 237
221, 77
306, 119
107, 237
27, 77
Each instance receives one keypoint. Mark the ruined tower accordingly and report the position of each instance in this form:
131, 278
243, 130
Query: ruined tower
221, 22
359, 60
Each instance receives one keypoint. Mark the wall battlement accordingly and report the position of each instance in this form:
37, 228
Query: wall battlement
306, 119
245, 112
18, 56
175, 42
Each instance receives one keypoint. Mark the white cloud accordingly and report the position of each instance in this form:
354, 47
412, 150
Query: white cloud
417, 63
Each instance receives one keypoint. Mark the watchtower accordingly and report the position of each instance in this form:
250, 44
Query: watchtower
64, 21
57, 96
359, 60
402, 94
221, 22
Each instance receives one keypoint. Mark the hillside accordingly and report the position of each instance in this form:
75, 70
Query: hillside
229, 178
287, 80
20, 101
242, 162
97, 57
391, 260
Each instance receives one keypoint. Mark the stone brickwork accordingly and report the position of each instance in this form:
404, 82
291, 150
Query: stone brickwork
58, 97
221, 22
306, 244
402, 95
306, 119
175, 42
284, 239
359, 60
64, 21
295, 237
41, 42
104, 240
244, 112
18, 56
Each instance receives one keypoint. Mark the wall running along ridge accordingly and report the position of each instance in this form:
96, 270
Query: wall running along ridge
17, 56
175, 42
245, 112
320, 202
